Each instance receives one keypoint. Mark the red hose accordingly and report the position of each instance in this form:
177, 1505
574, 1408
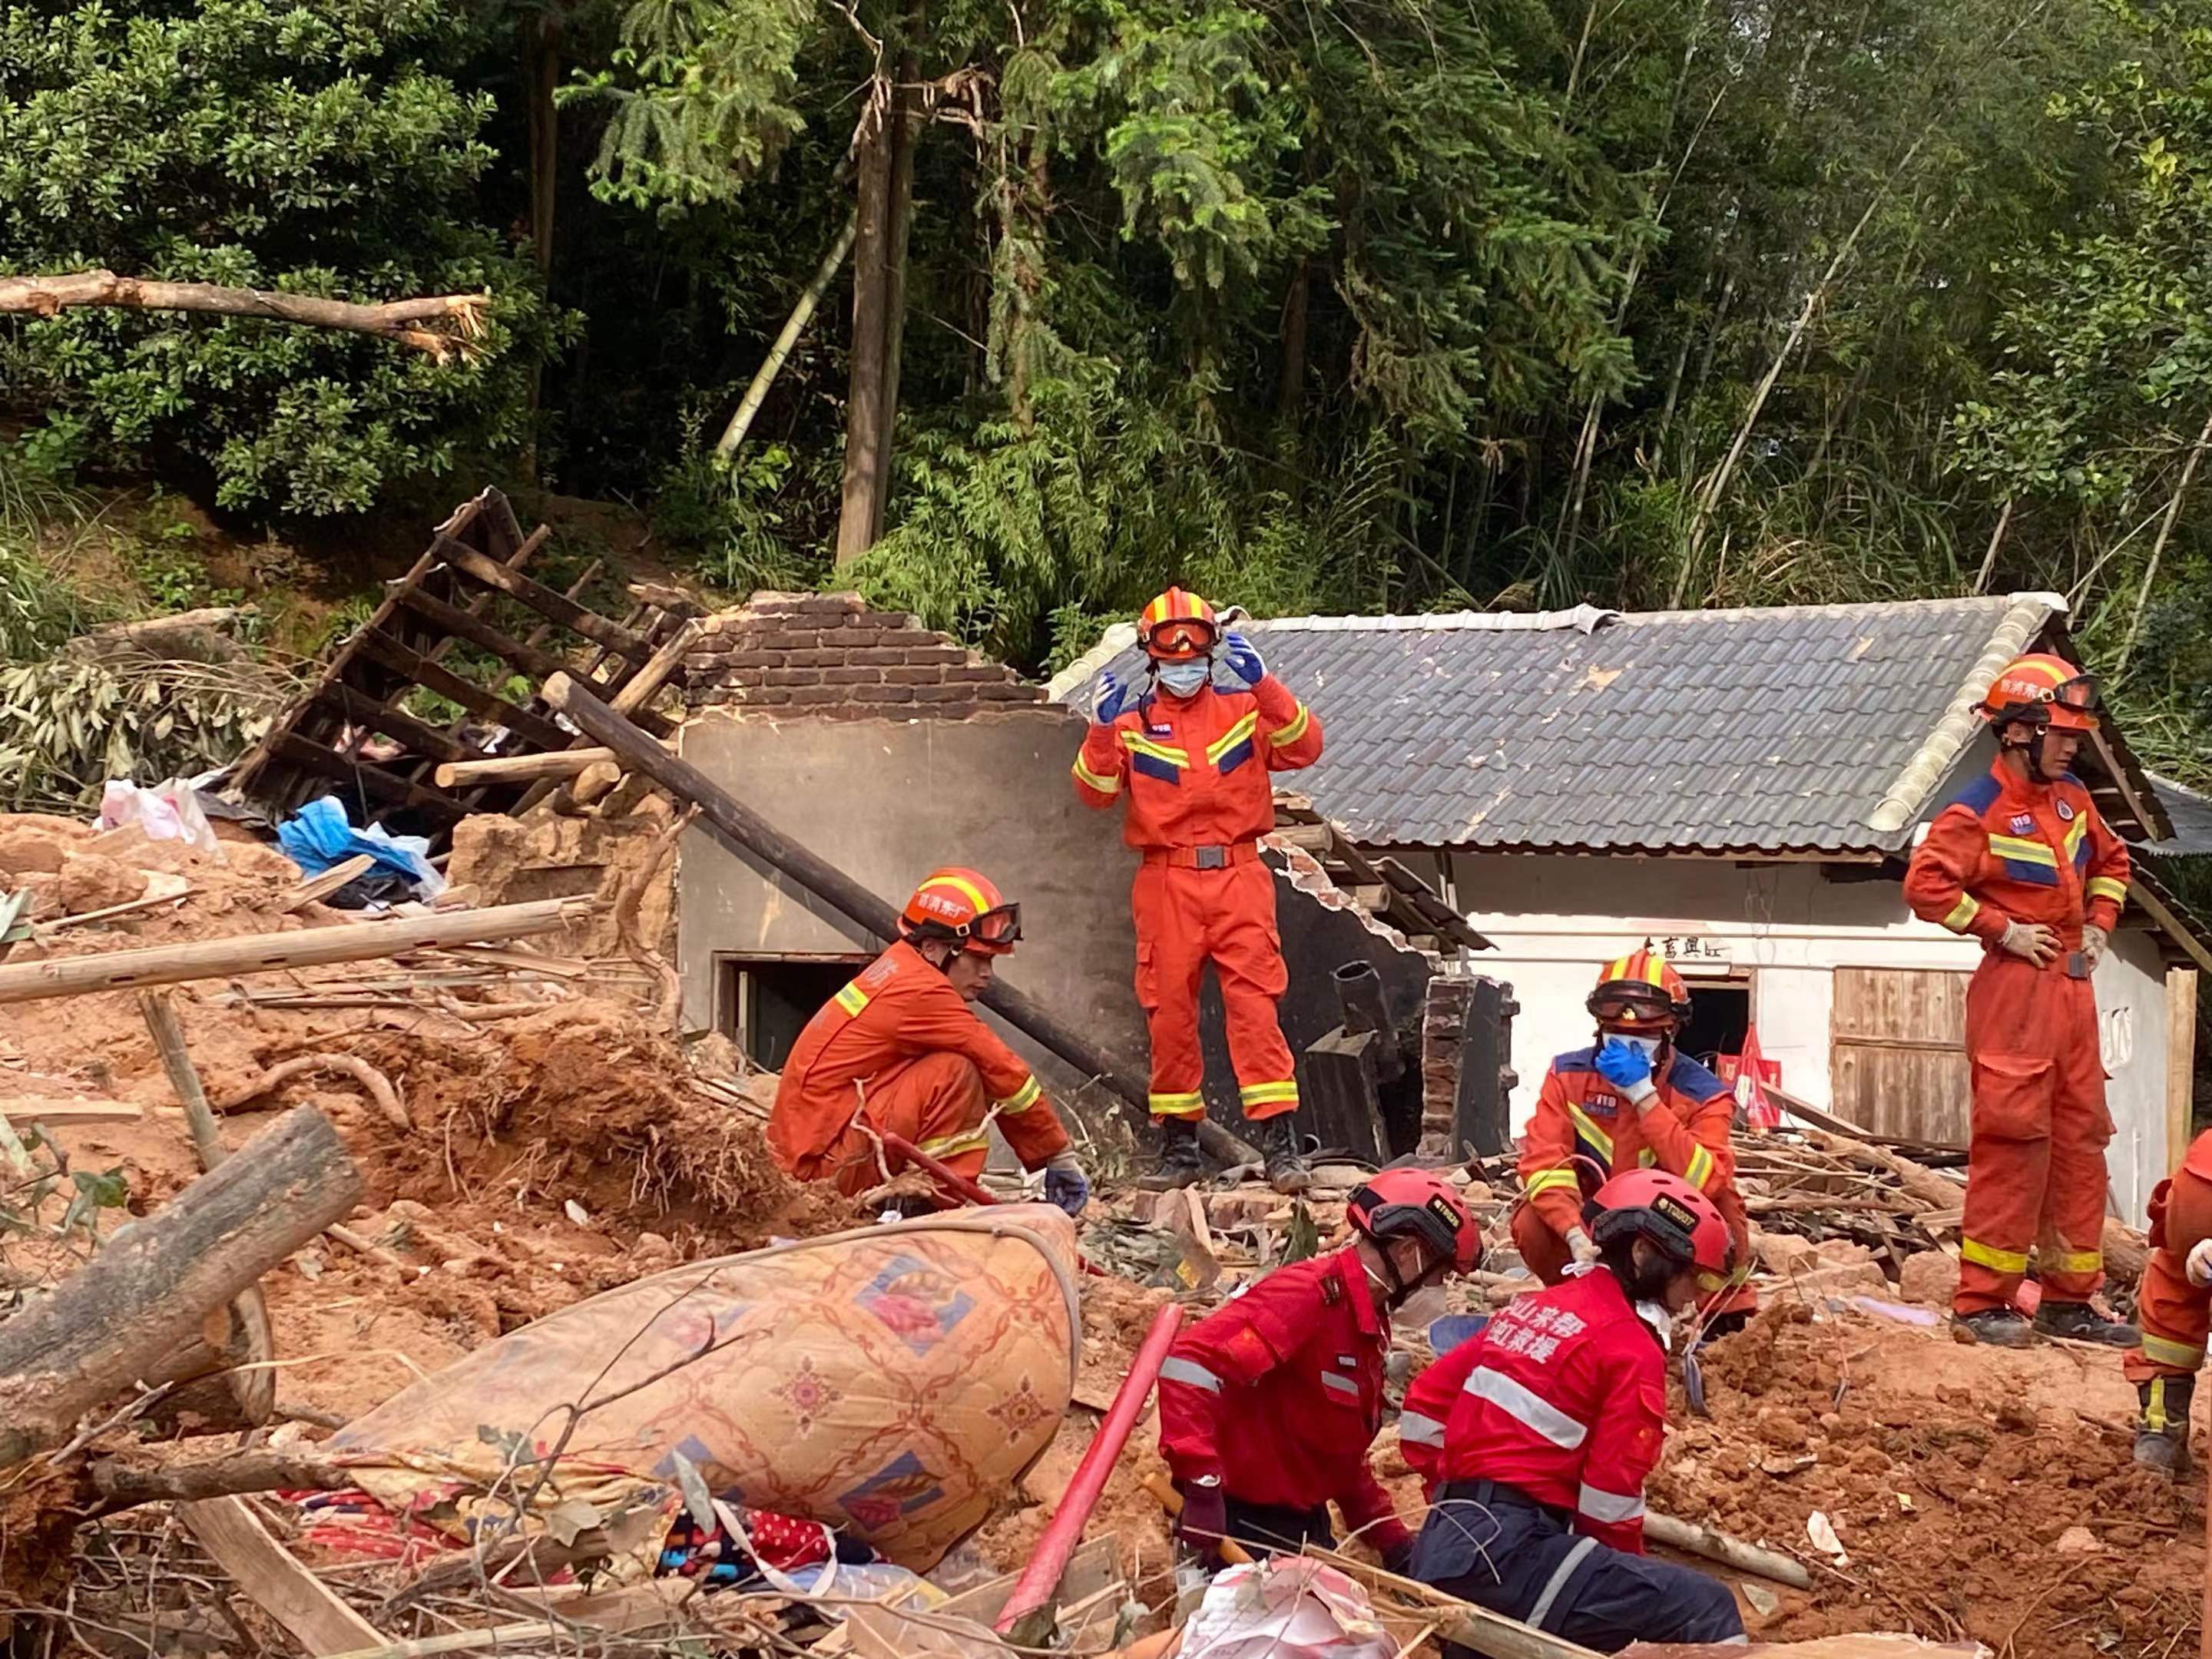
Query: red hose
1042, 1577
951, 1179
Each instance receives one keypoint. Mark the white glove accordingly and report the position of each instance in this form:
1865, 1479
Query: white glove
2200, 1264
1584, 1250
2093, 941
2031, 941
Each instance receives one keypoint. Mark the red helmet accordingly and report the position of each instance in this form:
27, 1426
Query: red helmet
1674, 1215
1640, 991
1177, 626
959, 904
1397, 1203
2043, 689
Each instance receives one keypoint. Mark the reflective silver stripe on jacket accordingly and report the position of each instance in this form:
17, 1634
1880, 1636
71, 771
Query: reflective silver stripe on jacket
1602, 1505
1517, 1402
1341, 1384
1415, 1430
1190, 1372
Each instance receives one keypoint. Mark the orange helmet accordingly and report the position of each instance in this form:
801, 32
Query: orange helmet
960, 904
1672, 1214
1177, 626
2044, 691
1640, 991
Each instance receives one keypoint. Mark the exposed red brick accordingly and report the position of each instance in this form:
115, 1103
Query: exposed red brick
928, 674
948, 654
822, 657
901, 694
873, 677
767, 694
788, 676
883, 656
811, 695
946, 693
1009, 691
744, 659
853, 637
979, 672
887, 619
840, 604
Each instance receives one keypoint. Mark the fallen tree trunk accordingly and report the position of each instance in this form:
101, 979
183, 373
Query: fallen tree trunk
401, 321
259, 953
147, 1291
751, 834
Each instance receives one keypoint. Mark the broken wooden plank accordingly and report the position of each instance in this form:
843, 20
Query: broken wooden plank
1459, 1621
261, 953
520, 768
229, 1530
61, 1111
359, 710
526, 658
312, 756
316, 889
553, 605
381, 647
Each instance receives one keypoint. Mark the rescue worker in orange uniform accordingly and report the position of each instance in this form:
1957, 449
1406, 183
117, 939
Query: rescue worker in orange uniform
1268, 1404
2022, 861
2175, 1303
1535, 1436
899, 1051
1630, 1100
1194, 760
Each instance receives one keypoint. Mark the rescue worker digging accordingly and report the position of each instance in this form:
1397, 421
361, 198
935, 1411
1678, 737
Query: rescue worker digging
899, 1051
1536, 1435
2174, 1303
2022, 861
1630, 1099
1267, 1405
1195, 761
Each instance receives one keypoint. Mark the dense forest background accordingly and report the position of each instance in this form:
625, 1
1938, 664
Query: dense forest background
1357, 305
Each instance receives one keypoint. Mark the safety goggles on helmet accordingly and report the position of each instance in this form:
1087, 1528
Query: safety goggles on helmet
1181, 641
2044, 691
962, 906
1632, 1007
1002, 926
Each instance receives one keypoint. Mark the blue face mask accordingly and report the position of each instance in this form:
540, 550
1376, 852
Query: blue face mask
1182, 678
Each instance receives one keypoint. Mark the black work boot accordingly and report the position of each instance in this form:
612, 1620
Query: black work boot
1277, 1138
2001, 1328
2083, 1323
2162, 1431
1179, 1164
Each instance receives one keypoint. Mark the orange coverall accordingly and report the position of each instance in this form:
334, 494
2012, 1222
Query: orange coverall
1195, 770
1585, 1129
2011, 850
898, 1050
2175, 1315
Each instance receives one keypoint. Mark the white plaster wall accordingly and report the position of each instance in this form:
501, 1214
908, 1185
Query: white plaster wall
1555, 919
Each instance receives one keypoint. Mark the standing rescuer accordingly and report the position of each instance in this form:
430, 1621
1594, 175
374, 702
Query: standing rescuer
1629, 1100
1268, 1404
1536, 1435
2174, 1303
1195, 761
2023, 862
900, 1051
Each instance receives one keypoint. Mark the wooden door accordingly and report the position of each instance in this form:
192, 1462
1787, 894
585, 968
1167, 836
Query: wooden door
1897, 1053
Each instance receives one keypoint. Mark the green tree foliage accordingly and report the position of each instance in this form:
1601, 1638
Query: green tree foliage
318, 150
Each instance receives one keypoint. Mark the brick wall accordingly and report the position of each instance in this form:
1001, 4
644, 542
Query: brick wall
789, 656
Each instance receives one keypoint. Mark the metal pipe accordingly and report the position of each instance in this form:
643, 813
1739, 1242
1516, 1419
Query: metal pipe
1359, 990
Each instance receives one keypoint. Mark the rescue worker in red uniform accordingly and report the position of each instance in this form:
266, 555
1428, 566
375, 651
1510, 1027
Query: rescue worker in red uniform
1194, 760
2022, 861
1536, 1435
1630, 1100
899, 1051
2175, 1303
1268, 1404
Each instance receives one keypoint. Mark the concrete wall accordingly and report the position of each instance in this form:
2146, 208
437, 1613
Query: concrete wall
890, 800
1555, 919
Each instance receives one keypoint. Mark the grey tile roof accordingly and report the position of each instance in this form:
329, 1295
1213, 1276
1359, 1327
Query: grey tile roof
2193, 821
1793, 728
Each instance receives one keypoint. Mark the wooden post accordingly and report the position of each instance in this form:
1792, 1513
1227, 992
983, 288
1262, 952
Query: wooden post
250, 1342
145, 1292
520, 768
752, 835
261, 953
2180, 1061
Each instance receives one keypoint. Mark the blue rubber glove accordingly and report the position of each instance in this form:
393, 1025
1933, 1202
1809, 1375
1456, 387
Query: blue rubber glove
1242, 658
1066, 1185
1112, 697
1624, 1064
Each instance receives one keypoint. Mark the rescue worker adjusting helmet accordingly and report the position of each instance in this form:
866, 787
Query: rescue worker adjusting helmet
2045, 691
1414, 1204
1178, 627
1673, 1216
1639, 992
964, 907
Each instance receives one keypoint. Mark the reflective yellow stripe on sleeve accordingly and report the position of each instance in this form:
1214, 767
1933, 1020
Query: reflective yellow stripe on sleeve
1091, 780
1292, 729
1962, 913
852, 998
1988, 1256
1701, 1167
2104, 887
1543, 1180
1020, 1101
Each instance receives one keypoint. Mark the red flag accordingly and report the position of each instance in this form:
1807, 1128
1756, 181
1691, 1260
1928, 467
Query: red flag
1752, 1076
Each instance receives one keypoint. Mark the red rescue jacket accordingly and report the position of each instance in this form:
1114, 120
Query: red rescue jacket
1278, 1393
1195, 768
1562, 1396
2010, 850
1581, 1116
899, 1008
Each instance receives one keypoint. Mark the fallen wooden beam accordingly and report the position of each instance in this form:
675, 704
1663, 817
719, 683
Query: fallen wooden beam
316, 889
60, 1112
147, 1290
261, 953
1458, 1621
228, 1530
520, 768
1725, 1548
754, 835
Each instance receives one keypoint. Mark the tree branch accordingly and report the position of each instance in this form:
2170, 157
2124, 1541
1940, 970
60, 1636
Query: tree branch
456, 321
